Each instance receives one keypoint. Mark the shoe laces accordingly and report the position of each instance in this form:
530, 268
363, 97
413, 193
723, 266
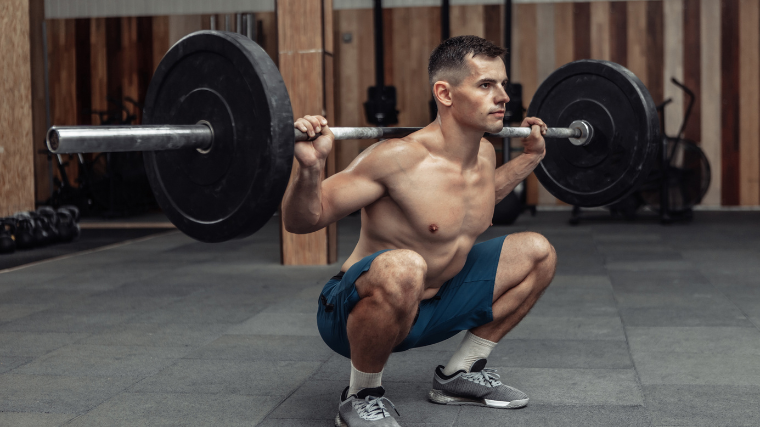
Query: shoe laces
487, 377
372, 408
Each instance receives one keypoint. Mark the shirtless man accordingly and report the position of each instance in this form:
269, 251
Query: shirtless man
416, 277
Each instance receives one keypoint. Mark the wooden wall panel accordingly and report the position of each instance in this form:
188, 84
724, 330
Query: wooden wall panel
328, 34
467, 20
582, 30
42, 166
182, 25
637, 36
749, 102
493, 15
563, 34
301, 64
526, 71
673, 63
16, 146
114, 60
159, 40
98, 67
83, 71
137, 60
600, 30
354, 73
710, 88
618, 32
545, 65
655, 49
730, 101
416, 32
266, 35
62, 79
691, 67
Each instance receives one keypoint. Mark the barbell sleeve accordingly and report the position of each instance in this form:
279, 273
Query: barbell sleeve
97, 139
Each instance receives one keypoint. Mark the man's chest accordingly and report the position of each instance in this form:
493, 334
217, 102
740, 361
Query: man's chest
446, 205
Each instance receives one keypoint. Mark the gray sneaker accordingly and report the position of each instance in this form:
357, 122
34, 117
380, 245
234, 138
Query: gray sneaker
365, 408
481, 386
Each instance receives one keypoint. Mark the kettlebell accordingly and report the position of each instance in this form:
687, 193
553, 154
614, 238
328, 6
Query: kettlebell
67, 227
73, 210
24, 232
40, 231
7, 243
51, 216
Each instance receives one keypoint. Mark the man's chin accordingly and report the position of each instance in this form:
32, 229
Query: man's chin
495, 127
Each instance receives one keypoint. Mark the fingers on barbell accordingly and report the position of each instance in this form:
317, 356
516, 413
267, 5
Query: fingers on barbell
311, 125
538, 123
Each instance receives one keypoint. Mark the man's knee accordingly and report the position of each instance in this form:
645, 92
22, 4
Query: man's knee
397, 277
538, 248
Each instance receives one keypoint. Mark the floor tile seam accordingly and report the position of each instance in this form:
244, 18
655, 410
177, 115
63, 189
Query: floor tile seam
114, 396
292, 392
716, 353
722, 292
639, 384
35, 358
264, 359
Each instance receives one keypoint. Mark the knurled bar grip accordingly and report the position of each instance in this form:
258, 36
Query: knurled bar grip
342, 133
96, 139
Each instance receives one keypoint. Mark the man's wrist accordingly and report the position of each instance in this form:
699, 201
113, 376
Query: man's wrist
313, 170
535, 154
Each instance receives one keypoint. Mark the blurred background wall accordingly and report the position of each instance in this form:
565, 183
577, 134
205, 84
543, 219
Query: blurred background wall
100, 48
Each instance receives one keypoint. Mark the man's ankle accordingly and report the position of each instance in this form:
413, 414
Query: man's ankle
361, 380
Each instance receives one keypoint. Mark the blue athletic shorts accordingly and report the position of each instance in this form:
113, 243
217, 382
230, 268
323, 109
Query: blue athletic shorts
462, 303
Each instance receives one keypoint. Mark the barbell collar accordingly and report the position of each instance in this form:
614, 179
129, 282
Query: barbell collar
98, 139
343, 133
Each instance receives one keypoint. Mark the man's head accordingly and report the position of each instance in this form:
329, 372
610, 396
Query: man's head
449, 60
467, 71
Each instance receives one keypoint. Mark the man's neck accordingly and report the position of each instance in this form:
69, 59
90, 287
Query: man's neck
456, 142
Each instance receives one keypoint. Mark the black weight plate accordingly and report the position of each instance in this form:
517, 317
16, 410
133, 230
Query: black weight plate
626, 132
229, 81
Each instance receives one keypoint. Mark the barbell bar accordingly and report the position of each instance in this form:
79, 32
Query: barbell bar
218, 137
96, 139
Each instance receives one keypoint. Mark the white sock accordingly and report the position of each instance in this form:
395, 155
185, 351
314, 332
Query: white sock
361, 380
472, 349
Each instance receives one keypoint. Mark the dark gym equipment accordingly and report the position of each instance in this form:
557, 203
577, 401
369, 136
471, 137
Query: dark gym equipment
7, 230
234, 187
380, 107
225, 86
625, 132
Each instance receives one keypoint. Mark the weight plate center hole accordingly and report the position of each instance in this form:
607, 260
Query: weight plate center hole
211, 128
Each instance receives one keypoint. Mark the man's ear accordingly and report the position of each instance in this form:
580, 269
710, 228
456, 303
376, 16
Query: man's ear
442, 92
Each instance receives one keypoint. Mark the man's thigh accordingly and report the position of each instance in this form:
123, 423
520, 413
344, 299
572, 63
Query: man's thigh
518, 258
462, 303
337, 299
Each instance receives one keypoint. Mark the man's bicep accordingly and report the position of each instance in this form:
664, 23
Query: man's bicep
347, 192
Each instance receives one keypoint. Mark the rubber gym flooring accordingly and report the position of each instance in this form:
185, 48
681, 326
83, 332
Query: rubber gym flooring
643, 325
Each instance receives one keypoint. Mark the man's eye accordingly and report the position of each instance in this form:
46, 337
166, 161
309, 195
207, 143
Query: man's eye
485, 85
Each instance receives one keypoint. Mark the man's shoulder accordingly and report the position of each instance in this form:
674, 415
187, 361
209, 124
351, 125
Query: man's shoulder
395, 153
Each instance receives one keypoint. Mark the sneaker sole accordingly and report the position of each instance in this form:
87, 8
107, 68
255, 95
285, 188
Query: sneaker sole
443, 398
339, 421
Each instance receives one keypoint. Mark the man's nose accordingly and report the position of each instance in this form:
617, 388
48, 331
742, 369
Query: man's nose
502, 96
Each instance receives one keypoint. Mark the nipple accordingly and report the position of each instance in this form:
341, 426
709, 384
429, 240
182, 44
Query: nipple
433, 228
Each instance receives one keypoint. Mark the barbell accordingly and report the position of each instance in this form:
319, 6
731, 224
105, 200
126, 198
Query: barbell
218, 135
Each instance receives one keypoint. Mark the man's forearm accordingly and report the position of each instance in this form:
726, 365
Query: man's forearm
513, 172
302, 203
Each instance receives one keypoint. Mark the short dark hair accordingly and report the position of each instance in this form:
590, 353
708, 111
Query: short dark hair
450, 56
